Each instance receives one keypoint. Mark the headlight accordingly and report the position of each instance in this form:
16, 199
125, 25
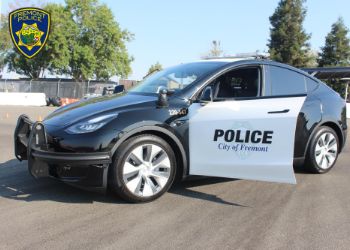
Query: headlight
90, 125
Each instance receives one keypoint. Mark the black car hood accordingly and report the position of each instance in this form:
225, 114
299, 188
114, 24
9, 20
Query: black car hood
86, 108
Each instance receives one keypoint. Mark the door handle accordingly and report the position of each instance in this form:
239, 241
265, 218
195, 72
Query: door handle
278, 111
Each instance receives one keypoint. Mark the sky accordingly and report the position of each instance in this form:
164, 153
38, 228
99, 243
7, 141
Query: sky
173, 32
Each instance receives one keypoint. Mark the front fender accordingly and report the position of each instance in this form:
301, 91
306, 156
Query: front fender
153, 127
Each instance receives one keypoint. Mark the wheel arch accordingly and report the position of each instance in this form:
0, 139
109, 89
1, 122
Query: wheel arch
337, 130
168, 136
331, 124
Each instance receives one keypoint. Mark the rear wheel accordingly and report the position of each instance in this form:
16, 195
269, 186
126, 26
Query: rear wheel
143, 168
323, 150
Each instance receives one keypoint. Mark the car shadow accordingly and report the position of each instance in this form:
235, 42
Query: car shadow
183, 189
302, 169
17, 184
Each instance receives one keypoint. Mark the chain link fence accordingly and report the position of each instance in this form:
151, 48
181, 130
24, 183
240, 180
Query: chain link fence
55, 87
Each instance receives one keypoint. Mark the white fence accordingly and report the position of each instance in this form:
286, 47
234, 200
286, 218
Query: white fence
54, 87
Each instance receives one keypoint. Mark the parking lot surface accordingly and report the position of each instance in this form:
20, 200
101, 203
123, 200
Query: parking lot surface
211, 213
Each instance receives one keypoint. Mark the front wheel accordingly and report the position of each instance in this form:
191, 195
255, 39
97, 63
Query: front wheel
323, 150
143, 169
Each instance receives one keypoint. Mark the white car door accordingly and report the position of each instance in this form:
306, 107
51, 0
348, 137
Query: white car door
245, 139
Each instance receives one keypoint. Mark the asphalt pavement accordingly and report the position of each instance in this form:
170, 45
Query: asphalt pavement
212, 213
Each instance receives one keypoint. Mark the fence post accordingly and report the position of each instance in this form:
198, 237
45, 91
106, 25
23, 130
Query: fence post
58, 87
88, 86
6, 85
30, 86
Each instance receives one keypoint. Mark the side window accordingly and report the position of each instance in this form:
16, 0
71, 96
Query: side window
286, 82
238, 83
311, 85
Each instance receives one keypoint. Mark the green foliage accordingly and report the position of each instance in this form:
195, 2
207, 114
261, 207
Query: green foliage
5, 41
33, 68
336, 52
154, 68
99, 45
110, 49
62, 32
85, 42
337, 85
288, 41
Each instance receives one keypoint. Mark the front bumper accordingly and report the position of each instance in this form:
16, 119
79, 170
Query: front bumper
87, 170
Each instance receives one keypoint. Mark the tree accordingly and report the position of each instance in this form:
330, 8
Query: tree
98, 48
85, 42
288, 41
336, 52
154, 68
215, 50
5, 41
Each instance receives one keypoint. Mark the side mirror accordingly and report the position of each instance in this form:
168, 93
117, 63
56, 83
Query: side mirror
119, 89
162, 98
207, 95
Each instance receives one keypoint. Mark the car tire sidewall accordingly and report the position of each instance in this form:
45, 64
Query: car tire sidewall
116, 175
313, 166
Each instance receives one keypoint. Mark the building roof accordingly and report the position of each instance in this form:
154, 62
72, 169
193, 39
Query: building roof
329, 72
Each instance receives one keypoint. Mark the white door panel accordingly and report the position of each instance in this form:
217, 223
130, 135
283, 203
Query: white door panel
241, 139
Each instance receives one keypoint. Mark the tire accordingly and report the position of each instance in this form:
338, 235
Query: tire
56, 101
323, 151
48, 101
133, 175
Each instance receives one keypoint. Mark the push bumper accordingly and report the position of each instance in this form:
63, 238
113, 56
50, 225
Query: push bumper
86, 170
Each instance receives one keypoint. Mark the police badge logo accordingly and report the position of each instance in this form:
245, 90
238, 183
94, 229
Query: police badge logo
29, 29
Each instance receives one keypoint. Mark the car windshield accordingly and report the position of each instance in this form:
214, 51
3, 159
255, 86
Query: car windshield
176, 78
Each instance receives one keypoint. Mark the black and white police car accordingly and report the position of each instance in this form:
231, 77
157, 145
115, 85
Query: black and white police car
246, 119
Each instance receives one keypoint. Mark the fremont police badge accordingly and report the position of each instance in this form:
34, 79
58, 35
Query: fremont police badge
29, 29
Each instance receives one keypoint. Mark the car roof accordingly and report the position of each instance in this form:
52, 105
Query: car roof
246, 61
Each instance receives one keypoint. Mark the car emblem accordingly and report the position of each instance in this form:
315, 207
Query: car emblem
29, 29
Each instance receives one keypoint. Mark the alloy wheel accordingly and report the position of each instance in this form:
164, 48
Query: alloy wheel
146, 170
326, 150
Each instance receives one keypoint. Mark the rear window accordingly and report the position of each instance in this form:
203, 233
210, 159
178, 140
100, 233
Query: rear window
286, 82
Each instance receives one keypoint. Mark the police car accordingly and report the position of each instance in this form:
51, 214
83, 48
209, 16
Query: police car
246, 119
